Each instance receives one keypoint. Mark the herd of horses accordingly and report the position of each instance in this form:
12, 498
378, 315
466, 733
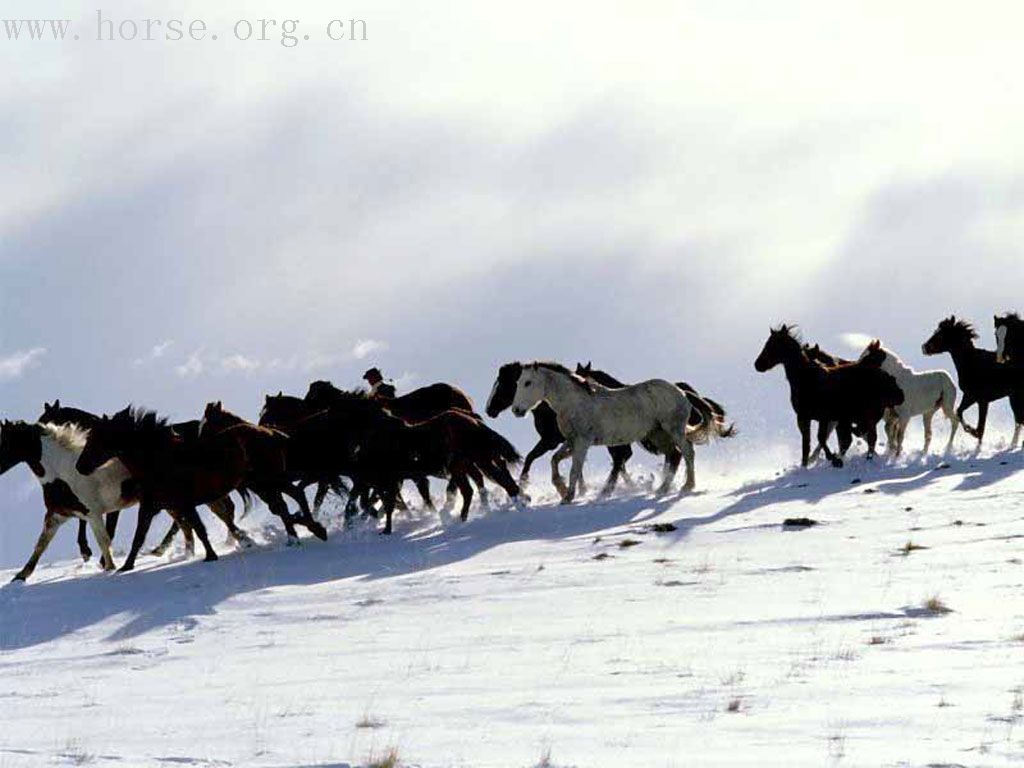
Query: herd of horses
364, 445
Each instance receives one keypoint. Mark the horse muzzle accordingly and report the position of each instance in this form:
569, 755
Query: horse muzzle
518, 412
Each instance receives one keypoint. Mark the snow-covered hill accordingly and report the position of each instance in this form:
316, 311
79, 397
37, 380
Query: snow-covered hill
687, 631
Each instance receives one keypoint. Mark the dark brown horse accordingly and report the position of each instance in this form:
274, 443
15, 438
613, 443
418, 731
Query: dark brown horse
267, 473
981, 377
453, 444
853, 394
169, 472
1009, 338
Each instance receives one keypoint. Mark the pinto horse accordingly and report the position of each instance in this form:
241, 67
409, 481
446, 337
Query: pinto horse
61, 415
982, 378
589, 414
924, 393
1009, 338
169, 471
855, 394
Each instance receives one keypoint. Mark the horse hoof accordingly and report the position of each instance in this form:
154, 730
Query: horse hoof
837, 463
317, 530
126, 568
86, 555
210, 557
19, 578
294, 541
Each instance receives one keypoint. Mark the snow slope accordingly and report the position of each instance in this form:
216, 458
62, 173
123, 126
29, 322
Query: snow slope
575, 635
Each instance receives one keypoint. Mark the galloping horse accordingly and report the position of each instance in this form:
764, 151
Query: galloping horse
169, 472
704, 409
855, 394
982, 378
589, 414
924, 393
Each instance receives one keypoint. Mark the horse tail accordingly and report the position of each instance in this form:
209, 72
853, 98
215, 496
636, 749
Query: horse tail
497, 444
712, 420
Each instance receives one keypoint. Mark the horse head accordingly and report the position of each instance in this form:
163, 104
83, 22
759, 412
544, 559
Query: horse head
780, 345
504, 389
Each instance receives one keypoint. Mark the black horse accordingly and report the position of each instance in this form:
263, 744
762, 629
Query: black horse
981, 377
855, 394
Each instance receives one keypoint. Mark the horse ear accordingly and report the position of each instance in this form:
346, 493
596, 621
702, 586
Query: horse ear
280, 393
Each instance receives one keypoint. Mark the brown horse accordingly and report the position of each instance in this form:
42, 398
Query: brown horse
267, 472
168, 471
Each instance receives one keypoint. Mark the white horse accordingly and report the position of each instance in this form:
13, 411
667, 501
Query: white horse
589, 414
924, 393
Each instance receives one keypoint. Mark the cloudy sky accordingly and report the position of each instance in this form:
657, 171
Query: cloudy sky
645, 185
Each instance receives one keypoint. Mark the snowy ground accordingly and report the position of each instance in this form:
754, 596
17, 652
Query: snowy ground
577, 635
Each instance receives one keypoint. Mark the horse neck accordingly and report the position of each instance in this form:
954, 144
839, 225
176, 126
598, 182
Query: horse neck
800, 370
605, 379
963, 356
560, 391
894, 366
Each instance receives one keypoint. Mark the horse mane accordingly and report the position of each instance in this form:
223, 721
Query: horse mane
961, 327
1010, 318
71, 437
140, 419
354, 393
790, 331
579, 381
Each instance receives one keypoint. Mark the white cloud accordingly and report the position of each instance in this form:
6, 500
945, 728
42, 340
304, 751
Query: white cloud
192, 367
239, 363
366, 347
13, 366
856, 341
155, 353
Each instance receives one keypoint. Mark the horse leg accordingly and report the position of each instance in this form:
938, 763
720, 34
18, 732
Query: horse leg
388, 498
671, 467
982, 418
478, 479
319, 496
100, 533
1017, 406
225, 510
298, 495
111, 523
167, 540
557, 457
146, 513
926, 419
498, 472
620, 455
824, 429
186, 530
51, 523
579, 455
844, 436
190, 515
466, 489
871, 437
805, 441
275, 503
423, 488
83, 542
543, 446
966, 402
817, 450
